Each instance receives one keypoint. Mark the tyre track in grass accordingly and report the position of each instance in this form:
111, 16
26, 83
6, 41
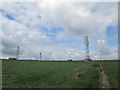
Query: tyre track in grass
104, 81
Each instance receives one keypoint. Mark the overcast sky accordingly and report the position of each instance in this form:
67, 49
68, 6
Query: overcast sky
45, 27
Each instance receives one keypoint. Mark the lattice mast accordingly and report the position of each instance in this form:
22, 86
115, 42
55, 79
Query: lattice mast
51, 55
70, 58
40, 56
17, 55
86, 43
100, 56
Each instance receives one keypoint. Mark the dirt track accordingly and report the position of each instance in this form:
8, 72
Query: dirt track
104, 81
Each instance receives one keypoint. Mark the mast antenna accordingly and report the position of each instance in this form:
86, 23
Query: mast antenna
17, 52
86, 43
70, 58
100, 56
40, 56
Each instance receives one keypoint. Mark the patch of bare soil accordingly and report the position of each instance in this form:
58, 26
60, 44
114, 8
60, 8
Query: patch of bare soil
79, 74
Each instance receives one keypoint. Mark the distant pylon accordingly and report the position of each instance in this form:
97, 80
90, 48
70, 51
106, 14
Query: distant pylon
18, 52
52, 55
40, 56
100, 56
86, 42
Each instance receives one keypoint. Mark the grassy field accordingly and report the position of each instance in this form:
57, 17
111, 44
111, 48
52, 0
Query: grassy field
111, 69
35, 74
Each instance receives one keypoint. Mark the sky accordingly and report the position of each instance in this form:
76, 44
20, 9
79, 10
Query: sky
44, 27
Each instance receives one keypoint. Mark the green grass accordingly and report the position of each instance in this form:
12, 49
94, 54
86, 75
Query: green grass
111, 69
35, 74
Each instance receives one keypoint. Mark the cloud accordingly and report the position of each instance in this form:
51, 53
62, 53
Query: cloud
32, 27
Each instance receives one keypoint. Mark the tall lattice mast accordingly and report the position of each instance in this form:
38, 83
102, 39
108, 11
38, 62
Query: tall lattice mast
86, 42
70, 43
18, 52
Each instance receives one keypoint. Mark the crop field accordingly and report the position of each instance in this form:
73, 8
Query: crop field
38, 74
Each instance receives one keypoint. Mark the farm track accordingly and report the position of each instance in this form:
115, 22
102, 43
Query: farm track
104, 81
